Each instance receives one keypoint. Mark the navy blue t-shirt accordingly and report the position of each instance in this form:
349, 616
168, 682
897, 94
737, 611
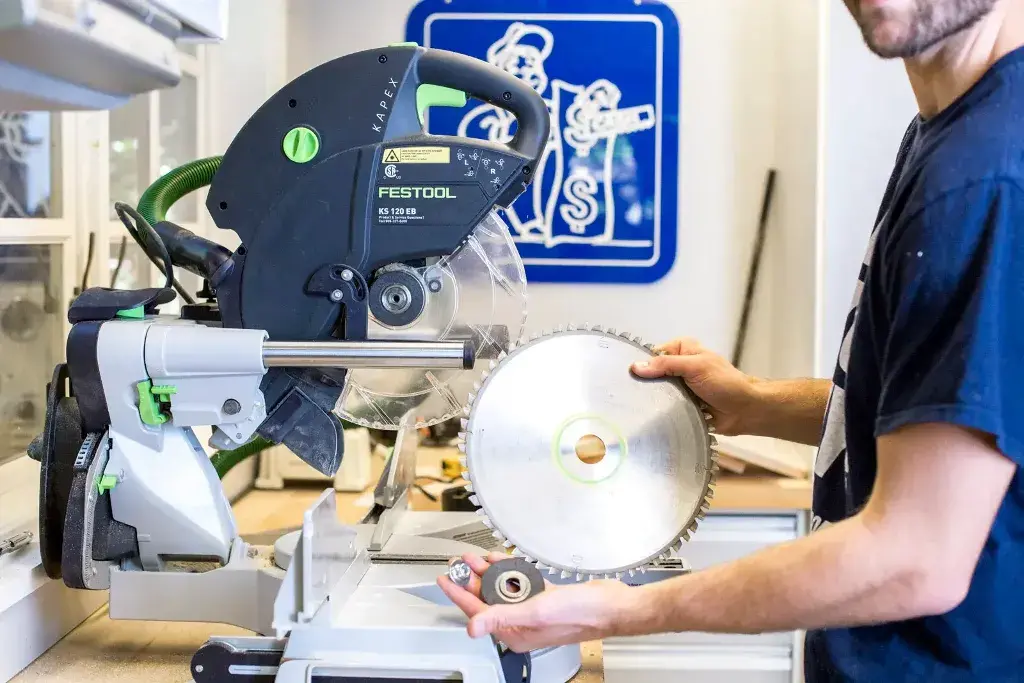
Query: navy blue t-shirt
936, 334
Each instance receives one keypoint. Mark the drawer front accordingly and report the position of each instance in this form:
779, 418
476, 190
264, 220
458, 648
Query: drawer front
723, 537
636, 663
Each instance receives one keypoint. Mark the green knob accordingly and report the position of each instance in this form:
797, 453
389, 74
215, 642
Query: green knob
301, 144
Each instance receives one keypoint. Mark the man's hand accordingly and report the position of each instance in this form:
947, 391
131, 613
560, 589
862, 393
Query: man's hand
561, 615
739, 403
730, 394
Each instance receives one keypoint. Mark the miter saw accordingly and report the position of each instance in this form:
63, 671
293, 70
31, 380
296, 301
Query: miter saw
376, 284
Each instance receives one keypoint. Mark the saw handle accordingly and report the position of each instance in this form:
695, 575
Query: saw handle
496, 87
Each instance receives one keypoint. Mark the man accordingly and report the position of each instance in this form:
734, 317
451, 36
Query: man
915, 568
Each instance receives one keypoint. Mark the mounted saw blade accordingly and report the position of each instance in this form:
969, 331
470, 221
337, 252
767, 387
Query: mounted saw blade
582, 467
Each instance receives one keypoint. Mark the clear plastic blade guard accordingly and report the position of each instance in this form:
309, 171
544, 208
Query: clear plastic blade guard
482, 297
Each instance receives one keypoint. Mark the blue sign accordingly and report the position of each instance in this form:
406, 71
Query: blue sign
603, 204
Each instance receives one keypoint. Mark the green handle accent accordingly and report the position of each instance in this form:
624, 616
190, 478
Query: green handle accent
153, 402
301, 144
428, 95
137, 313
106, 483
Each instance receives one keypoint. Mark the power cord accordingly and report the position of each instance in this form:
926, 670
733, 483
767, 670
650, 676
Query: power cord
148, 239
121, 253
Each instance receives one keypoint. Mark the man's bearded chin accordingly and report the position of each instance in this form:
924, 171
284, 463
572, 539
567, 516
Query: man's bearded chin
912, 28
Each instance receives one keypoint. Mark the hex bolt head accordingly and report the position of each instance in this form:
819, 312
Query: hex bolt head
346, 275
460, 573
337, 295
231, 407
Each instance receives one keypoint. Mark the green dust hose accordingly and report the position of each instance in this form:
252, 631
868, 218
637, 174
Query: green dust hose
158, 198
223, 461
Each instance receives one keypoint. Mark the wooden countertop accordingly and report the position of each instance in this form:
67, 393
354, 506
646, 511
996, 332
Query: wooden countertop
103, 650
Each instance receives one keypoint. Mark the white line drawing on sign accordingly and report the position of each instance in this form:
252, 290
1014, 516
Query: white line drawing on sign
566, 179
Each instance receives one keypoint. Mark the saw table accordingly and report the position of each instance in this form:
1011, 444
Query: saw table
103, 650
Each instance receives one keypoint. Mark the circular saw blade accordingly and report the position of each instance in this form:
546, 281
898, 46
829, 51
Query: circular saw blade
581, 466
477, 293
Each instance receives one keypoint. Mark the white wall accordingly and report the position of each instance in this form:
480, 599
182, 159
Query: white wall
867, 106
746, 64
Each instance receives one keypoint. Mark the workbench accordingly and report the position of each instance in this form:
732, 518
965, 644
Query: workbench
102, 650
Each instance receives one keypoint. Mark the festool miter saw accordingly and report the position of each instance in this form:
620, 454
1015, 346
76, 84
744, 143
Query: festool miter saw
375, 284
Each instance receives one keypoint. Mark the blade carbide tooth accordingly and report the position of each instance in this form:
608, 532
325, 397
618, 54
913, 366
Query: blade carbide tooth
625, 335
559, 329
463, 461
516, 552
529, 559
535, 336
571, 327
649, 347
541, 566
585, 326
497, 535
701, 515
467, 475
612, 331
632, 572
464, 424
642, 570
462, 449
713, 440
469, 488
693, 526
597, 328
710, 494
711, 429
552, 571
714, 467
486, 521
708, 416
502, 356
474, 500
492, 364
467, 409
565, 574
506, 545
618, 576
471, 397
476, 387
685, 537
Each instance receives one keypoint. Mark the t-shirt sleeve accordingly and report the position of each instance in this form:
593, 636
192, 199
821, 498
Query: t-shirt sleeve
953, 347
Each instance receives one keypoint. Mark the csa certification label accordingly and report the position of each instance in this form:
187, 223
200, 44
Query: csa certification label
417, 155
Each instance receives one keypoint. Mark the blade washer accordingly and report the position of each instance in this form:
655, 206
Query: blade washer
579, 464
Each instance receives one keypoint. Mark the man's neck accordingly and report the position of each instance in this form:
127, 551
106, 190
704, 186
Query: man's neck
948, 70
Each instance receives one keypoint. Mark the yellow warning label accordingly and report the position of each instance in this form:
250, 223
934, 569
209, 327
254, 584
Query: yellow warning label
417, 155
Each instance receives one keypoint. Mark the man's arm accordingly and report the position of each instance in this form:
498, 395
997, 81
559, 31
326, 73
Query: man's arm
911, 552
740, 404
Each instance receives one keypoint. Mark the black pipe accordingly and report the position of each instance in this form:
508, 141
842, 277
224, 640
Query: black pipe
195, 254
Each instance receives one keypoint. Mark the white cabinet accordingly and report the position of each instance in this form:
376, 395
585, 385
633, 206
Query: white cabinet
707, 657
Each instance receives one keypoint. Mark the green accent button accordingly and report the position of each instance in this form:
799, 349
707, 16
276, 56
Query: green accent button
137, 313
106, 483
301, 144
154, 402
428, 95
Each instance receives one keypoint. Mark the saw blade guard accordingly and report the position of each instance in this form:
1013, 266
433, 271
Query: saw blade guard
477, 293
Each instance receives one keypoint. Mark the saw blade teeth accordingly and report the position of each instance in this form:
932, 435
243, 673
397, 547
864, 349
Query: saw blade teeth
462, 449
463, 460
552, 571
642, 570
649, 347
560, 328
571, 327
682, 541
506, 545
598, 328
701, 515
476, 387
464, 424
612, 331
469, 487
618, 576
632, 573
565, 574
710, 494
625, 335
461, 437
516, 552
714, 468
497, 535
693, 526
502, 356
474, 500
535, 336
471, 397
486, 522
585, 326
541, 566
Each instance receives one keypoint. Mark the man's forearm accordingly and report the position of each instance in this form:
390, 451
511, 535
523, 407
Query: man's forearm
790, 409
838, 576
